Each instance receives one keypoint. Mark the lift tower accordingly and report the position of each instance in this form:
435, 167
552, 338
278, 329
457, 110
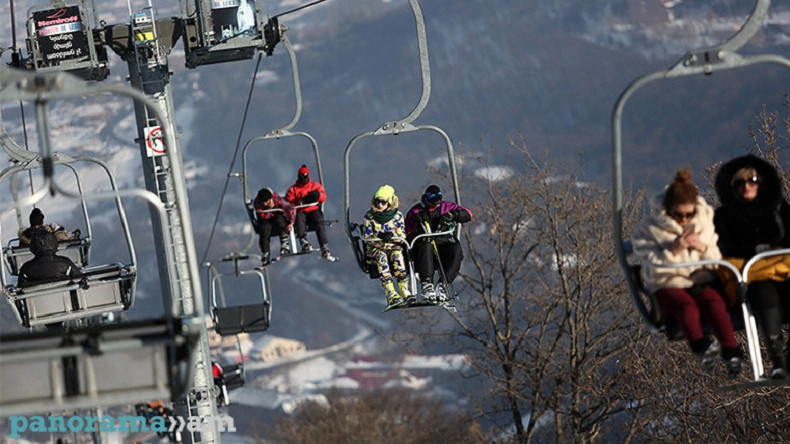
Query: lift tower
215, 31
146, 57
218, 32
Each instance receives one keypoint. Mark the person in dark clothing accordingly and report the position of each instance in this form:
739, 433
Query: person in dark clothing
273, 222
430, 215
754, 217
36, 220
46, 266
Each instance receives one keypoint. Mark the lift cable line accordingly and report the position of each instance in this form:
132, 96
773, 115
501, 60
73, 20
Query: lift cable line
298, 8
232, 161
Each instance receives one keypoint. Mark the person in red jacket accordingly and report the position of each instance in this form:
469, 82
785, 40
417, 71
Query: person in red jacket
307, 196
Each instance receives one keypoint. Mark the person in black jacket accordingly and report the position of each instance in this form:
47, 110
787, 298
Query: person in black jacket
46, 266
754, 217
433, 214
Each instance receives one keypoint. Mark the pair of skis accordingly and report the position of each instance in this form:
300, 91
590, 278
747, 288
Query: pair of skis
447, 305
328, 257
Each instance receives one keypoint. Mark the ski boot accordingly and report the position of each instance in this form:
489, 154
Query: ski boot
441, 293
305, 245
326, 254
393, 298
285, 244
428, 293
405, 291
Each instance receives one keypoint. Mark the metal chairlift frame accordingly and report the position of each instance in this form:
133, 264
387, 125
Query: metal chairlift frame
397, 127
704, 61
114, 364
231, 320
67, 301
277, 134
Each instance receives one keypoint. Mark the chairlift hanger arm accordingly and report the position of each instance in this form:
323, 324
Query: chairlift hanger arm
425, 67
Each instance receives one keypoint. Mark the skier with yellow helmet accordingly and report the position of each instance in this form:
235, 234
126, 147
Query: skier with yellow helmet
385, 223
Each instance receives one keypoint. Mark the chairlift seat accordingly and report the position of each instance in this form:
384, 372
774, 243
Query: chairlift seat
17, 254
119, 364
104, 288
233, 376
242, 318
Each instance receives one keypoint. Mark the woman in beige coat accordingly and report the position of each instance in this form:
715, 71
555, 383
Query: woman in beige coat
681, 229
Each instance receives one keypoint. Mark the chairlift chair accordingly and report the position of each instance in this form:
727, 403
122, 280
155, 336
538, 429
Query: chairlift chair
277, 134
394, 128
105, 288
706, 61
94, 365
232, 319
361, 246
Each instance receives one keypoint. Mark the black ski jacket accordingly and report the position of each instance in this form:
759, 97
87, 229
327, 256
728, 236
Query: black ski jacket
46, 266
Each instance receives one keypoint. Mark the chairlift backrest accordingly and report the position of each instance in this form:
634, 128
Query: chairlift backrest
115, 364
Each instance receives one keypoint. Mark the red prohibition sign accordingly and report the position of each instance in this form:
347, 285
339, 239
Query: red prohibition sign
154, 140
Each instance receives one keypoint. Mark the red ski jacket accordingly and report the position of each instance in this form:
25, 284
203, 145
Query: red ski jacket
297, 193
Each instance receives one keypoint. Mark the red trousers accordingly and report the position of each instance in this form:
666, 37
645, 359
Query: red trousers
690, 312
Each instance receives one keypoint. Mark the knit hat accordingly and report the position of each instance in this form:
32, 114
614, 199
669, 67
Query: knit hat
432, 195
385, 192
43, 242
303, 171
36, 217
264, 194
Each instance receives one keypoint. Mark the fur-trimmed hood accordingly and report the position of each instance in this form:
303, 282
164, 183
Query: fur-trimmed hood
770, 193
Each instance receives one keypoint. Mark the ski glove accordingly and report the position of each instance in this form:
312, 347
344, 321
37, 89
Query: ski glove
385, 236
312, 197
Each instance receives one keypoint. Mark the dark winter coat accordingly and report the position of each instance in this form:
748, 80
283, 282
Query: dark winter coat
420, 212
742, 226
46, 266
266, 213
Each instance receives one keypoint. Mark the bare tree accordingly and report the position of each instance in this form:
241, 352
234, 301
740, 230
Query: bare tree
549, 325
771, 135
546, 318
386, 416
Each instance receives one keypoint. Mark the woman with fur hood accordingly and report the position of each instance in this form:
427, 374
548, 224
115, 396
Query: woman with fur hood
754, 217
681, 229
384, 221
